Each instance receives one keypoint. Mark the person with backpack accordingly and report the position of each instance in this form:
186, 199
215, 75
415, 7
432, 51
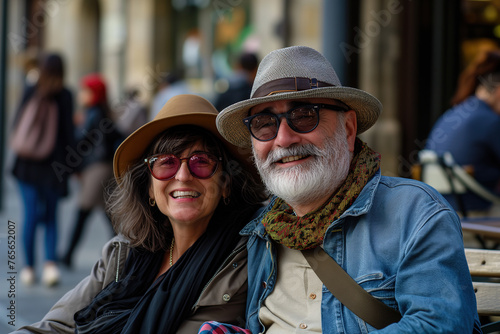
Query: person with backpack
46, 105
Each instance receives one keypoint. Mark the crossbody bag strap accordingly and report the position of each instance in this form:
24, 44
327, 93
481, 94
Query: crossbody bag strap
348, 292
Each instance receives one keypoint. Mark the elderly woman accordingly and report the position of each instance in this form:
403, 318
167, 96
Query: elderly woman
182, 195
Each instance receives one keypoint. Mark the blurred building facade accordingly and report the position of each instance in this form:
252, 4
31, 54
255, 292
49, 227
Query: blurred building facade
406, 53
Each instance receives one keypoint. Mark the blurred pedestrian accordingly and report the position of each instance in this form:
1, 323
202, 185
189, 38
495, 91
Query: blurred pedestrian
132, 113
469, 130
98, 135
171, 84
238, 87
40, 184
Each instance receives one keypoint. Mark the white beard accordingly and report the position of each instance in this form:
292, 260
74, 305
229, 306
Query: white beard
312, 180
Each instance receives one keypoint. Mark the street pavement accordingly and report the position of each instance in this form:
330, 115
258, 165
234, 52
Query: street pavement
21, 305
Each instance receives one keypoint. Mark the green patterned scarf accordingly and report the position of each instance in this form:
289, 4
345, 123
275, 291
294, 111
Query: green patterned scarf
308, 231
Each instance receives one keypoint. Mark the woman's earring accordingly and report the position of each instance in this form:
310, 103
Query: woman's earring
152, 201
226, 200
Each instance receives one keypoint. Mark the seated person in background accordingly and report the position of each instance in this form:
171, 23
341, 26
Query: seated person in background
132, 113
469, 130
397, 238
183, 193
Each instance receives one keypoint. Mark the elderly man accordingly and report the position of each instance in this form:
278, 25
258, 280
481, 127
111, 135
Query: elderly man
397, 238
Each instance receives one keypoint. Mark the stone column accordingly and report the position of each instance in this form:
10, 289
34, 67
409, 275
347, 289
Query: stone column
139, 68
113, 45
378, 44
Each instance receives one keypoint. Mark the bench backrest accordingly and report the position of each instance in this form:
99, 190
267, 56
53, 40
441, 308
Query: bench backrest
484, 267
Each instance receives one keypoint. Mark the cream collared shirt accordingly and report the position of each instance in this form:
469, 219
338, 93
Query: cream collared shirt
295, 304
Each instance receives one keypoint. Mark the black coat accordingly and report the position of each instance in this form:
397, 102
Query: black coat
55, 170
99, 136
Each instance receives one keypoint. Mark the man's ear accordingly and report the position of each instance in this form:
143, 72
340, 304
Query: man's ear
351, 127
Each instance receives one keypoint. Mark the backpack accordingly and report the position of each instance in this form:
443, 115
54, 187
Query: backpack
34, 134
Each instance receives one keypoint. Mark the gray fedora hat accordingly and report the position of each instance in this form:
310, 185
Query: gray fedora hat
293, 73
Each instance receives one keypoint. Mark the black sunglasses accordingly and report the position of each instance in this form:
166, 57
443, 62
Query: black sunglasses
201, 165
302, 119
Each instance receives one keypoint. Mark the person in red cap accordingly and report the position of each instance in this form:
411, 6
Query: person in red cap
97, 140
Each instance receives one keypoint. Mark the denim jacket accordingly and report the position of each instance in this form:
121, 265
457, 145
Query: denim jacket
400, 241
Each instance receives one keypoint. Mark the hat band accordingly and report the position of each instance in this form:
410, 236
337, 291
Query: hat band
288, 85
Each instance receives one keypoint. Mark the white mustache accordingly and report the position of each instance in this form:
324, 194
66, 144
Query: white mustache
280, 153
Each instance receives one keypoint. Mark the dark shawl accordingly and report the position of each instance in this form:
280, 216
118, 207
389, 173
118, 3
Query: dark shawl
138, 304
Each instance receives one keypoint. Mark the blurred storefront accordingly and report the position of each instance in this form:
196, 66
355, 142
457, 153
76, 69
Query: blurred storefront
133, 43
406, 53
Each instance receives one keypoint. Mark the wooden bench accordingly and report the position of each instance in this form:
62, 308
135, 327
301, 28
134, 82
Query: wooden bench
487, 228
484, 267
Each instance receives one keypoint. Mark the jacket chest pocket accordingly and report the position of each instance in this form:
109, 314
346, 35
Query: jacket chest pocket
380, 287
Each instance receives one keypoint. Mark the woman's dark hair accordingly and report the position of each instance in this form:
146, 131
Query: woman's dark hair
484, 71
144, 225
50, 81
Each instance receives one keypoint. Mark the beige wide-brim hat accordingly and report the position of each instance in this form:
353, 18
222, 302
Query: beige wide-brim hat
185, 109
295, 72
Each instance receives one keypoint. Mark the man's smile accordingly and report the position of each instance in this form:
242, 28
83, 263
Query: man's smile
293, 158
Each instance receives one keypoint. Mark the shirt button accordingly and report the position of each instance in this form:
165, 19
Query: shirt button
303, 326
312, 296
264, 285
226, 297
235, 265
